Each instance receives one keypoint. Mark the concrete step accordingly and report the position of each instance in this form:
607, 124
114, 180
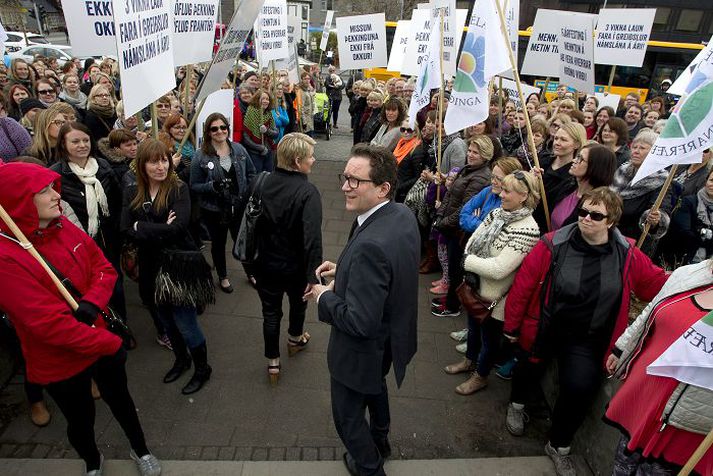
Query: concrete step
523, 466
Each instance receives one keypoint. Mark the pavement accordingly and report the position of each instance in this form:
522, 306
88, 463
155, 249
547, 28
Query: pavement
239, 424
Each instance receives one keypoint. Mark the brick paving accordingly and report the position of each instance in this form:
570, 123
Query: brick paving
239, 417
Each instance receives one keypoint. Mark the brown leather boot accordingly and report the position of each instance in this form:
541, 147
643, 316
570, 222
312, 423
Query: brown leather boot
39, 414
472, 385
429, 263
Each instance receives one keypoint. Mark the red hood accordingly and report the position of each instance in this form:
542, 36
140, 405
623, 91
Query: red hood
20, 182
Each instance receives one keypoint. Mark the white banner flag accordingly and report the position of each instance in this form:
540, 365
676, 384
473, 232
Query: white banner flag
90, 25
468, 104
193, 30
143, 44
511, 11
325, 30
429, 77
291, 64
271, 32
230, 47
450, 30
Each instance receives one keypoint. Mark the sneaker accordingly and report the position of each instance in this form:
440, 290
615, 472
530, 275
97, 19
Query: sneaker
440, 289
97, 472
564, 466
164, 341
462, 348
505, 370
438, 301
443, 311
459, 336
148, 465
515, 419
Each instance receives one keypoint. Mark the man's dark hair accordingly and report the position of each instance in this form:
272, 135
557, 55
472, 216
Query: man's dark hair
382, 162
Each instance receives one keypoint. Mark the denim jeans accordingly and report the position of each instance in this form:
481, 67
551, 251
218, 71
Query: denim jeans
490, 334
183, 322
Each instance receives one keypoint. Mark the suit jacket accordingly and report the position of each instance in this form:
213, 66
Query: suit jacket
375, 300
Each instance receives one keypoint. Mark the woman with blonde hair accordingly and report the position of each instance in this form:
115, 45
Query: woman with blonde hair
44, 145
101, 116
369, 122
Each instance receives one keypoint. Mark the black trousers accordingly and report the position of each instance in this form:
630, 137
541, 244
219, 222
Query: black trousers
455, 271
360, 438
335, 110
580, 376
73, 396
271, 291
219, 236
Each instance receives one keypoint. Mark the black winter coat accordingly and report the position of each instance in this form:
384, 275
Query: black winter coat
409, 171
98, 126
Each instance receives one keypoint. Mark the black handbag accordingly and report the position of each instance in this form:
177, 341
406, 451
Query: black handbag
245, 249
184, 279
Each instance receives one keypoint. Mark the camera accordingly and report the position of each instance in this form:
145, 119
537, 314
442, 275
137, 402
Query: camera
706, 234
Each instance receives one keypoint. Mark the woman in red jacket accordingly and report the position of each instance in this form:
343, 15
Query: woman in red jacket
570, 301
64, 350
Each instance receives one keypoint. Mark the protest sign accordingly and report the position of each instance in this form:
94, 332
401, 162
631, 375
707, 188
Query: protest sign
271, 32
193, 30
418, 38
679, 86
219, 101
511, 10
429, 75
450, 51
611, 100
230, 47
542, 54
362, 41
398, 46
325, 30
622, 34
145, 50
510, 87
575, 43
291, 63
90, 25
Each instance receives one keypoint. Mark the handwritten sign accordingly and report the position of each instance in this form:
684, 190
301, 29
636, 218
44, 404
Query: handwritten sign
291, 63
193, 30
576, 66
90, 25
422, 22
510, 87
144, 46
325, 30
622, 34
398, 46
362, 41
271, 31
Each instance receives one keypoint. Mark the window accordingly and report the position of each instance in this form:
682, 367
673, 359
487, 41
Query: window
689, 20
14, 38
661, 19
305, 13
35, 51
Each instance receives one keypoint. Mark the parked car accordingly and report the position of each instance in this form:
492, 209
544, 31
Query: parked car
16, 40
61, 52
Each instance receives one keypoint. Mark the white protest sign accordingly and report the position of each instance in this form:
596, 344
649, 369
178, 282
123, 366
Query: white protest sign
271, 31
611, 100
418, 37
230, 47
575, 46
398, 46
622, 34
511, 11
193, 30
3, 38
145, 50
362, 41
542, 54
219, 101
325, 30
90, 25
450, 30
291, 64
510, 87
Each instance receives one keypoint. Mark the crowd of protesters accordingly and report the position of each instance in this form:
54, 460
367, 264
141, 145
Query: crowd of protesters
478, 195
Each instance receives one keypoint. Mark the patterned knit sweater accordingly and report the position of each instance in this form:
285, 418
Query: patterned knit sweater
506, 254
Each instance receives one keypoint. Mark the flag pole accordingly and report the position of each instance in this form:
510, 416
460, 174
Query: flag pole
440, 106
187, 92
530, 139
543, 95
611, 78
154, 121
190, 126
697, 455
657, 204
25, 244
500, 105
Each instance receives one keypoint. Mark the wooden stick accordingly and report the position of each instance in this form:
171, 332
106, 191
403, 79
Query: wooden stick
657, 204
140, 124
439, 152
543, 95
611, 78
187, 90
500, 106
154, 121
25, 243
530, 139
190, 126
697, 455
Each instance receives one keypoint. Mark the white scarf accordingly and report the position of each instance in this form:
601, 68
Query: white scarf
94, 193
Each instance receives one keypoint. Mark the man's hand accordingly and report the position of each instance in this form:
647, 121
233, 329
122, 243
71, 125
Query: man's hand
316, 290
326, 270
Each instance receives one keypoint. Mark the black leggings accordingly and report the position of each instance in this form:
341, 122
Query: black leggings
73, 396
580, 376
219, 236
271, 292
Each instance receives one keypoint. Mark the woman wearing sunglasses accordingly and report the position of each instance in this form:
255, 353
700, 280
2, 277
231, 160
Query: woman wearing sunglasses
585, 309
221, 172
409, 163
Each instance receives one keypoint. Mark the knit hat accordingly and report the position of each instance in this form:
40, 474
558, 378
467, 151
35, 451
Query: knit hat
29, 104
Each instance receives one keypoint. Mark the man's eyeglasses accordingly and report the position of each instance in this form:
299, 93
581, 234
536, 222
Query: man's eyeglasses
352, 182
596, 216
47, 92
218, 128
406, 130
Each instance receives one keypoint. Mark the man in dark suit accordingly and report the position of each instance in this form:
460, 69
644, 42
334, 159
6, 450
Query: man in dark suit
372, 307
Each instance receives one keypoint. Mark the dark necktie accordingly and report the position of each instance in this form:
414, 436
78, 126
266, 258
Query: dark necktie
355, 225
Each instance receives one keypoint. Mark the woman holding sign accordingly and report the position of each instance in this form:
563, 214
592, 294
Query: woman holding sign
661, 431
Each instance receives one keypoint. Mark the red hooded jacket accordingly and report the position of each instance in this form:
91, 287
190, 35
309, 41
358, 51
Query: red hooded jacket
56, 346
523, 307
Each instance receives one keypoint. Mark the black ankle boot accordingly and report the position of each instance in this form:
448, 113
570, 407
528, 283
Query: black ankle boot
181, 364
202, 371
